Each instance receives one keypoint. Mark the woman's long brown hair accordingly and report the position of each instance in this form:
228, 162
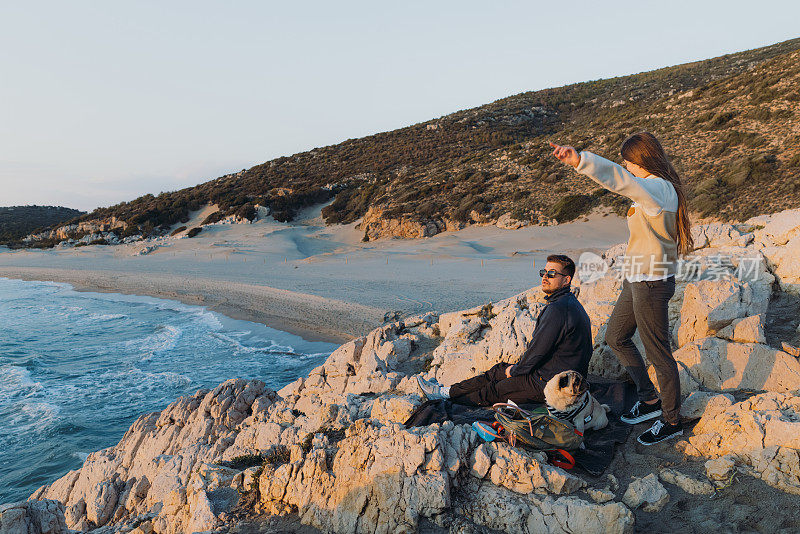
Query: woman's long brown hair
644, 150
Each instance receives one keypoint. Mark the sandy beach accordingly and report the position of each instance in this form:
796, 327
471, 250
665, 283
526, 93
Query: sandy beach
320, 282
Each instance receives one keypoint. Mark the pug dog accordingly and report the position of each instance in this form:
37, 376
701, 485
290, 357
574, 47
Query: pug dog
568, 399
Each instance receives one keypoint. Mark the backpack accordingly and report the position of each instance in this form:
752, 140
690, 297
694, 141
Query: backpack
536, 431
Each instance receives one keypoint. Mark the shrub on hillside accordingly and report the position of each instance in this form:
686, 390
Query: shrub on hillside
570, 207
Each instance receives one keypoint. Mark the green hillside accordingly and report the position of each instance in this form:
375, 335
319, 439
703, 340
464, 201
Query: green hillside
18, 221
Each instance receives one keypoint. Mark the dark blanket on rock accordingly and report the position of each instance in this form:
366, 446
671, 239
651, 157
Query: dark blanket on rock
599, 451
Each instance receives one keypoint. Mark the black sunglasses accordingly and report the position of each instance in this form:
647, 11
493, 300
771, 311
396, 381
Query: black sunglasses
550, 274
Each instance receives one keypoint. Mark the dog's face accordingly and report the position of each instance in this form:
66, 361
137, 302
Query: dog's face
571, 384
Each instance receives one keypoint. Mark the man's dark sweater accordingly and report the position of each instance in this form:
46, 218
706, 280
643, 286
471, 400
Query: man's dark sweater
561, 341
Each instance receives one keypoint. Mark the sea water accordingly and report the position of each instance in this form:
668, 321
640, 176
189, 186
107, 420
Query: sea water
77, 368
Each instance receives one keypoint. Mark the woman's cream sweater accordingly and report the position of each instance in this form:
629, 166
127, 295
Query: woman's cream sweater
652, 219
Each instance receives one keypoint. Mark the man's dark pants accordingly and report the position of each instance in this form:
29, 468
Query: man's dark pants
644, 306
493, 386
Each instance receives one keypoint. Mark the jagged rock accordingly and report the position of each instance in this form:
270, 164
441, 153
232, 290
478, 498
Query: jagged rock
719, 234
504, 511
761, 433
481, 461
156, 460
789, 349
33, 517
96, 226
612, 254
394, 409
510, 223
783, 226
719, 470
746, 330
708, 306
721, 365
525, 471
646, 492
785, 263
685, 482
376, 225
600, 495
380, 478
696, 404
476, 339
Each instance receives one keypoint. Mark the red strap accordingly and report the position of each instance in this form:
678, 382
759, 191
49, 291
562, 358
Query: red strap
486, 428
569, 462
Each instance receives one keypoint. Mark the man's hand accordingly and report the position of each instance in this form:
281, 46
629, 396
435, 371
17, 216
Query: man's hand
566, 154
508, 371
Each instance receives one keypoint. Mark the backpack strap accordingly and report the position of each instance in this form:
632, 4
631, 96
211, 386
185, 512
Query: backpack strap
568, 462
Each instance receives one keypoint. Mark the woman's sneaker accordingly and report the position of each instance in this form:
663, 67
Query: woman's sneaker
660, 431
641, 412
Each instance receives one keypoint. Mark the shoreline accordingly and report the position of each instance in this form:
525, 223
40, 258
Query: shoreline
303, 314
320, 282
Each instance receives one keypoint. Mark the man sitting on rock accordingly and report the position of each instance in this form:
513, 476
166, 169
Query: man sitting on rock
561, 341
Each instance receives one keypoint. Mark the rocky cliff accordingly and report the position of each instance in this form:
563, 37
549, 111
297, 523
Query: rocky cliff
330, 448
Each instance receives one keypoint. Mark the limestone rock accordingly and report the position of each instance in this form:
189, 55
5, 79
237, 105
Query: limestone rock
154, 461
613, 254
525, 471
719, 234
481, 461
721, 365
508, 222
646, 492
394, 409
33, 517
695, 405
783, 226
685, 482
504, 511
708, 306
600, 495
380, 478
784, 261
476, 339
720, 469
333, 450
761, 433
746, 330
789, 349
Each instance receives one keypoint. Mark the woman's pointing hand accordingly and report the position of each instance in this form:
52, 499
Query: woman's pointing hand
566, 154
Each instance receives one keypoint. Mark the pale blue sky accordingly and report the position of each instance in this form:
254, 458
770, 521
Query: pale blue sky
105, 101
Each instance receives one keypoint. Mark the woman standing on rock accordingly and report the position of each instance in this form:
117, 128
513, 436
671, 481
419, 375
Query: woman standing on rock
659, 230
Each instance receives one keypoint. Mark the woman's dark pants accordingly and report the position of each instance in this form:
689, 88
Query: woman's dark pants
644, 306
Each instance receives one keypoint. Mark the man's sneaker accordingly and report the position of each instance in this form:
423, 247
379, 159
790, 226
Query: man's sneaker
432, 390
659, 432
641, 411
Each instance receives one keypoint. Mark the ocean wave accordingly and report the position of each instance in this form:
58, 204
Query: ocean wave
100, 317
239, 347
29, 416
16, 382
162, 340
